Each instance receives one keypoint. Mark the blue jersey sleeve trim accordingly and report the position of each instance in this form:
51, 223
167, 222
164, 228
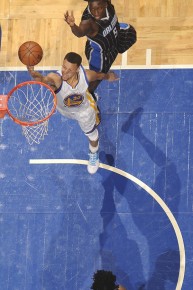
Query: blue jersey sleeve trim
57, 91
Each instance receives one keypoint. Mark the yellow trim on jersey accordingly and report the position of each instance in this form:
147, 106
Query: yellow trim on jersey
94, 106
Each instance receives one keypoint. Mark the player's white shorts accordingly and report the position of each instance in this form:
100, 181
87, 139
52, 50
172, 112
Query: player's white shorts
85, 114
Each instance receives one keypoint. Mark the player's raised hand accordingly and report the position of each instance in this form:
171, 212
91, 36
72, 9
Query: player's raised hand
30, 68
69, 18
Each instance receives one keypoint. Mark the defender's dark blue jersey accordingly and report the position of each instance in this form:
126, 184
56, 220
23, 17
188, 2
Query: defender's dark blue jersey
102, 49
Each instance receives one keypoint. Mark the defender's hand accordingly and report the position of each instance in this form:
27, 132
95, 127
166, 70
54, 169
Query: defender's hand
69, 18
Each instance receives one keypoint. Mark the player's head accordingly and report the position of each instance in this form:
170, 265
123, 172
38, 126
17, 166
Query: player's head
73, 57
70, 65
104, 280
98, 8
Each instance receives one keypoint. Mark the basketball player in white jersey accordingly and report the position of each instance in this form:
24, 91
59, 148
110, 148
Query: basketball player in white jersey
74, 100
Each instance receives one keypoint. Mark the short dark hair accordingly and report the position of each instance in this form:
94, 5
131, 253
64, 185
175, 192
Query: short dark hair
104, 280
73, 57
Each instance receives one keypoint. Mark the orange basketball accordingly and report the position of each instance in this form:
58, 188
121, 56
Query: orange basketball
30, 53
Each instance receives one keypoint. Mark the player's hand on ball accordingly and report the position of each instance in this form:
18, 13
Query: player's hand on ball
30, 53
69, 18
30, 68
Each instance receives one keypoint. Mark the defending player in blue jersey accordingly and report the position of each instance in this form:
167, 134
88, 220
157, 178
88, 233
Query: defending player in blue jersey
106, 37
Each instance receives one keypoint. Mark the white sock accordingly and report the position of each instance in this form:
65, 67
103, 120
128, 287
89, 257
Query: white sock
93, 149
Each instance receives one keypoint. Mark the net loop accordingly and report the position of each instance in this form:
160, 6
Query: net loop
36, 133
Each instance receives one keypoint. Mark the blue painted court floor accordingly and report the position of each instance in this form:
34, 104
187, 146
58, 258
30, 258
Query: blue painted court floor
58, 224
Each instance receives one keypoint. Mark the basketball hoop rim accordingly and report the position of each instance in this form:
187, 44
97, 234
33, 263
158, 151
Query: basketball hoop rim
22, 123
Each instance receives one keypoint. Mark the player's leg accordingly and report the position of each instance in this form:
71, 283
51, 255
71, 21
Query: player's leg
99, 61
93, 163
127, 37
95, 59
88, 121
92, 87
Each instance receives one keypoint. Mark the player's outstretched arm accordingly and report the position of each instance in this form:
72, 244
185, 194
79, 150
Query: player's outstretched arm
52, 79
121, 288
93, 76
111, 76
35, 75
86, 27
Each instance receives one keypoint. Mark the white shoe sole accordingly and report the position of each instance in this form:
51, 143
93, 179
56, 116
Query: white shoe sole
93, 169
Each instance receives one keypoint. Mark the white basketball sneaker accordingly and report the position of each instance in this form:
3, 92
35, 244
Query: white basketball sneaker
93, 163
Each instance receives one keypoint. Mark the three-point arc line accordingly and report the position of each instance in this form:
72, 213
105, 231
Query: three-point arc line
147, 189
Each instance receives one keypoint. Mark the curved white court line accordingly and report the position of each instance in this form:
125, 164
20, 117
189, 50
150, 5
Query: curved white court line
147, 189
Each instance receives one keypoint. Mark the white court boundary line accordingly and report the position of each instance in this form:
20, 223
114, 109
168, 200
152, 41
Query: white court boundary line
123, 65
114, 67
147, 189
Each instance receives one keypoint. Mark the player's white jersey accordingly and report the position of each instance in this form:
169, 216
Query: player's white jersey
77, 103
72, 100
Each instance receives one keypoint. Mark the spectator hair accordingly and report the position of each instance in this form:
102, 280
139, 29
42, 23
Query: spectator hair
104, 280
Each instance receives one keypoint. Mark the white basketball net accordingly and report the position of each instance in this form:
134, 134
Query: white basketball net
35, 133
29, 104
